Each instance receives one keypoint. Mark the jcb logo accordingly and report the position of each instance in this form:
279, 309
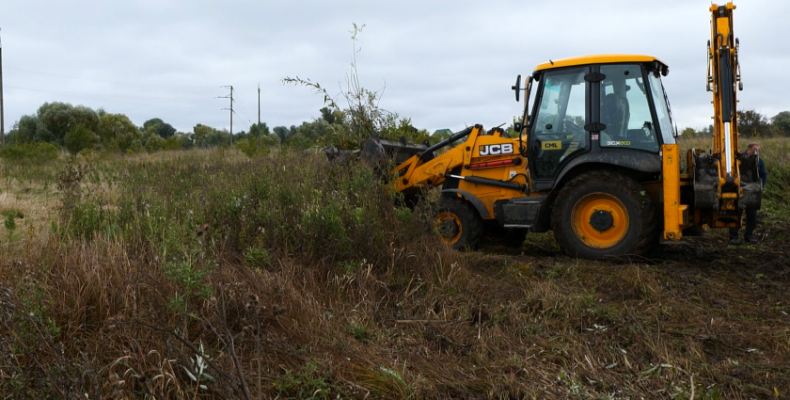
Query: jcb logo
494, 149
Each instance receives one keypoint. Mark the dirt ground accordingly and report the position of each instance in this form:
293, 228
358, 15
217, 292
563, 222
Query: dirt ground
711, 254
722, 309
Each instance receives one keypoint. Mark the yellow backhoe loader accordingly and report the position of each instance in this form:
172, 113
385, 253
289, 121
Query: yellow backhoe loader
596, 159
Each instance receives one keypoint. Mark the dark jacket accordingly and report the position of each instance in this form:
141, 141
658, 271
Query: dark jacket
763, 174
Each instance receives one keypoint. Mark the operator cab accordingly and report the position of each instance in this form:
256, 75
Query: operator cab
599, 109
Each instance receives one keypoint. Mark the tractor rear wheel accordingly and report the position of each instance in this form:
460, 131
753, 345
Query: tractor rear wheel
604, 213
458, 223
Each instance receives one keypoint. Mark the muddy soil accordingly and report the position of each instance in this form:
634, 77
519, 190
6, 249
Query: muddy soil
721, 310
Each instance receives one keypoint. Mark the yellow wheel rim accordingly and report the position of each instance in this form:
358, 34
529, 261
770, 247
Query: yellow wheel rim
600, 220
450, 228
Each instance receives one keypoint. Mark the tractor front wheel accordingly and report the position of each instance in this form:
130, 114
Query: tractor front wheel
458, 223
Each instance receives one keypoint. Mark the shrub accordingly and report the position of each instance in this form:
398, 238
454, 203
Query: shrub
257, 210
257, 258
253, 147
79, 138
38, 152
154, 143
172, 143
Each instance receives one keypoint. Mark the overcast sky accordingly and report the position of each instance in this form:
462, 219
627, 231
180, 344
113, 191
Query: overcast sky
444, 64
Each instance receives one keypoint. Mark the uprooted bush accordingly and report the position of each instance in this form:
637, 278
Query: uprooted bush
361, 117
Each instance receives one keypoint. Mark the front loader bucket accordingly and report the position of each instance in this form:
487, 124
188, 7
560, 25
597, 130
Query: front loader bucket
339, 156
375, 152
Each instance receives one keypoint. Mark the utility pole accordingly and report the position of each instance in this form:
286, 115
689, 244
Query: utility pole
259, 115
231, 111
2, 111
231, 115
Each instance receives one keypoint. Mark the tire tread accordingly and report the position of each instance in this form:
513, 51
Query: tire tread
646, 218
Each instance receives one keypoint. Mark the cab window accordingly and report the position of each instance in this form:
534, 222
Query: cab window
662, 108
558, 131
625, 110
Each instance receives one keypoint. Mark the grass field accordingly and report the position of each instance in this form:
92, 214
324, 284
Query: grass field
205, 274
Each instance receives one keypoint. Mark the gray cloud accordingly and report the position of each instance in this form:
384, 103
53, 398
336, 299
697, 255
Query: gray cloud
445, 64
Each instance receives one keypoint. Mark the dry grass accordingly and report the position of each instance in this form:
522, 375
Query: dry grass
167, 282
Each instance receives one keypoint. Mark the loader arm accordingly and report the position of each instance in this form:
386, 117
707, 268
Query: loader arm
417, 174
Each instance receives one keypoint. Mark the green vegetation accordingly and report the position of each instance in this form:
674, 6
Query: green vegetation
285, 275
36, 152
751, 124
78, 128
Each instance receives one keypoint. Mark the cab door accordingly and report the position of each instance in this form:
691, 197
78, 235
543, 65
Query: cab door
557, 129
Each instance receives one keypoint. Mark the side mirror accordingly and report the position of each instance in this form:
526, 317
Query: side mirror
517, 87
518, 127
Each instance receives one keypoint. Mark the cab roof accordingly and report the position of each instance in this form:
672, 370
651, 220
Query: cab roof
598, 59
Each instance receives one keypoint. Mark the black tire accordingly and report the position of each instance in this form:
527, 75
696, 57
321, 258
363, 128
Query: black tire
458, 223
604, 213
508, 237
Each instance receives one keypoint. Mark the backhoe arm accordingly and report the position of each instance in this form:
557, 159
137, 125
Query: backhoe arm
723, 76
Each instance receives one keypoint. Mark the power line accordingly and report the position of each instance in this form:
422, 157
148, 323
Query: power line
98, 80
106, 95
243, 113
235, 107
180, 105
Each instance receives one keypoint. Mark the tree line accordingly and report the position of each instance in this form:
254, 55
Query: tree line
79, 128
751, 124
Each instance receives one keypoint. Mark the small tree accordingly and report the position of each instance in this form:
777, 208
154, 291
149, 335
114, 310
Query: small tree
61, 118
254, 147
159, 127
79, 138
184, 140
753, 124
282, 133
29, 129
687, 133
781, 122
154, 143
259, 129
206, 136
117, 132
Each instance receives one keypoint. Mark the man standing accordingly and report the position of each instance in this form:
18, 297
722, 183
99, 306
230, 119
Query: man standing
751, 213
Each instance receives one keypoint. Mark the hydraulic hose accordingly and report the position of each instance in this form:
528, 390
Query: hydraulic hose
445, 142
